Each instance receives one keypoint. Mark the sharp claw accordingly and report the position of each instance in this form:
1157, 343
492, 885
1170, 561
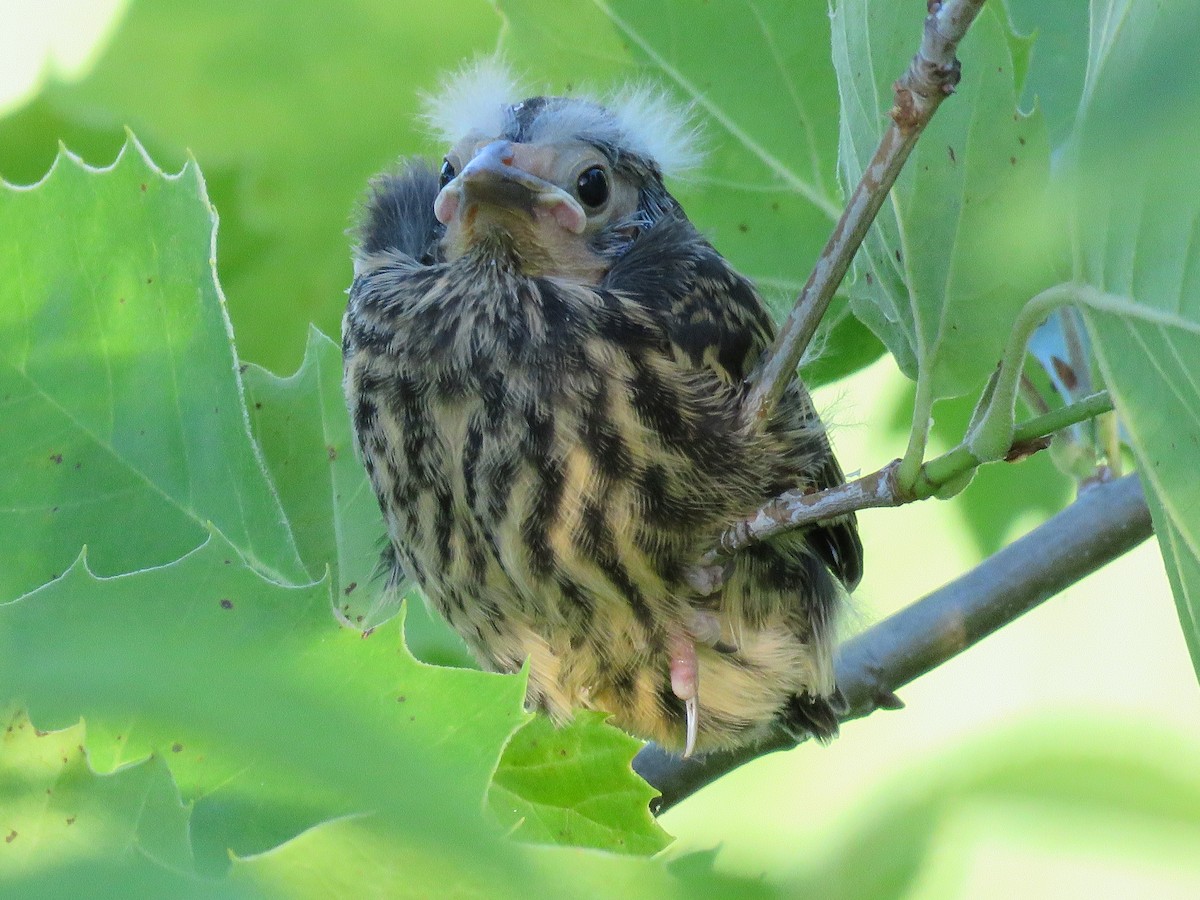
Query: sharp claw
685, 677
692, 709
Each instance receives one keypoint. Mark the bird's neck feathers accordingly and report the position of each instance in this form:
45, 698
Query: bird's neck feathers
519, 246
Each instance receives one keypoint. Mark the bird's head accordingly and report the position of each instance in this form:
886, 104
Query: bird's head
555, 186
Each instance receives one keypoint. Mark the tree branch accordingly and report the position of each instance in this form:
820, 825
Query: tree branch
930, 78
796, 509
1105, 522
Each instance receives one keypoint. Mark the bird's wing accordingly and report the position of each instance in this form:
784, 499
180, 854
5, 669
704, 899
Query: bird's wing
716, 320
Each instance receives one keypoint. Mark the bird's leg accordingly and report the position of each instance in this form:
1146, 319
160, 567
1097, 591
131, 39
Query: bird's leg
685, 682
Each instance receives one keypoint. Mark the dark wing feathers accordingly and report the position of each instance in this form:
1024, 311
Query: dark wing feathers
398, 214
714, 316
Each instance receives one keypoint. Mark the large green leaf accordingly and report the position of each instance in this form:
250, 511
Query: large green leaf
1135, 181
953, 255
125, 426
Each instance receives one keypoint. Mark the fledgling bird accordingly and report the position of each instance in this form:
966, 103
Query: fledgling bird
545, 366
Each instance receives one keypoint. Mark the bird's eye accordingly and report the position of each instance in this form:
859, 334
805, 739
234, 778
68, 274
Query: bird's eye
447, 173
592, 187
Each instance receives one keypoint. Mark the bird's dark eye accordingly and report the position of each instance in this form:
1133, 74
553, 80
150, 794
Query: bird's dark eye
592, 187
447, 174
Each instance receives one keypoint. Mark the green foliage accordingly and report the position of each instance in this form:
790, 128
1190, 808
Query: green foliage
211, 633
290, 113
567, 786
1138, 240
934, 279
273, 717
116, 366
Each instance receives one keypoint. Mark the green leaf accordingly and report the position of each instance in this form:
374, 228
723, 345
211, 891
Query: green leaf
574, 786
68, 828
953, 255
764, 96
125, 423
350, 856
1135, 203
1059, 59
303, 428
272, 716
296, 111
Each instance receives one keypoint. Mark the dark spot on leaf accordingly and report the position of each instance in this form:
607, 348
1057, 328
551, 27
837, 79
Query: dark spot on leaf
70, 820
149, 281
57, 457
242, 368
367, 632
562, 751
775, 205
1021, 140
121, 300
176, 747
1012, 160
898, 258
143, 187
743, 227
10, 837
349, 590
870, 278
358, 619
226, 603
953, 158
78, 465
401, 699
331, 451
39, 733
258, 406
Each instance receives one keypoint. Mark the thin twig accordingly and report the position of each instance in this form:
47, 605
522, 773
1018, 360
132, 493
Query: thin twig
930, 78
1105, 522
796, 509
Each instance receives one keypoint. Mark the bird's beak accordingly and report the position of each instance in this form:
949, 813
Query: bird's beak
496, 176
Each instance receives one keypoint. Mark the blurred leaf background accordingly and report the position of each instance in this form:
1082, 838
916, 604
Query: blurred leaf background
1058, 753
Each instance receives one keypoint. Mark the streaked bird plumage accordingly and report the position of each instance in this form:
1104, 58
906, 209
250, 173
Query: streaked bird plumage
545, 368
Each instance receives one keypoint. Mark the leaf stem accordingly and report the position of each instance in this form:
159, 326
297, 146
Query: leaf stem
796, 509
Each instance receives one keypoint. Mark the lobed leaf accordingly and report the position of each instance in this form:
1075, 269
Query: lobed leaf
573, 786
125, 422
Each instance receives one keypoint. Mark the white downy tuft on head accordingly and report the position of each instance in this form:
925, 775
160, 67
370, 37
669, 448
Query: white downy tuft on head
475, 99
652, 125
637, 118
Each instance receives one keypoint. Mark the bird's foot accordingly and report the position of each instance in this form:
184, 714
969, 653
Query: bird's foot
705, 580
685, 683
